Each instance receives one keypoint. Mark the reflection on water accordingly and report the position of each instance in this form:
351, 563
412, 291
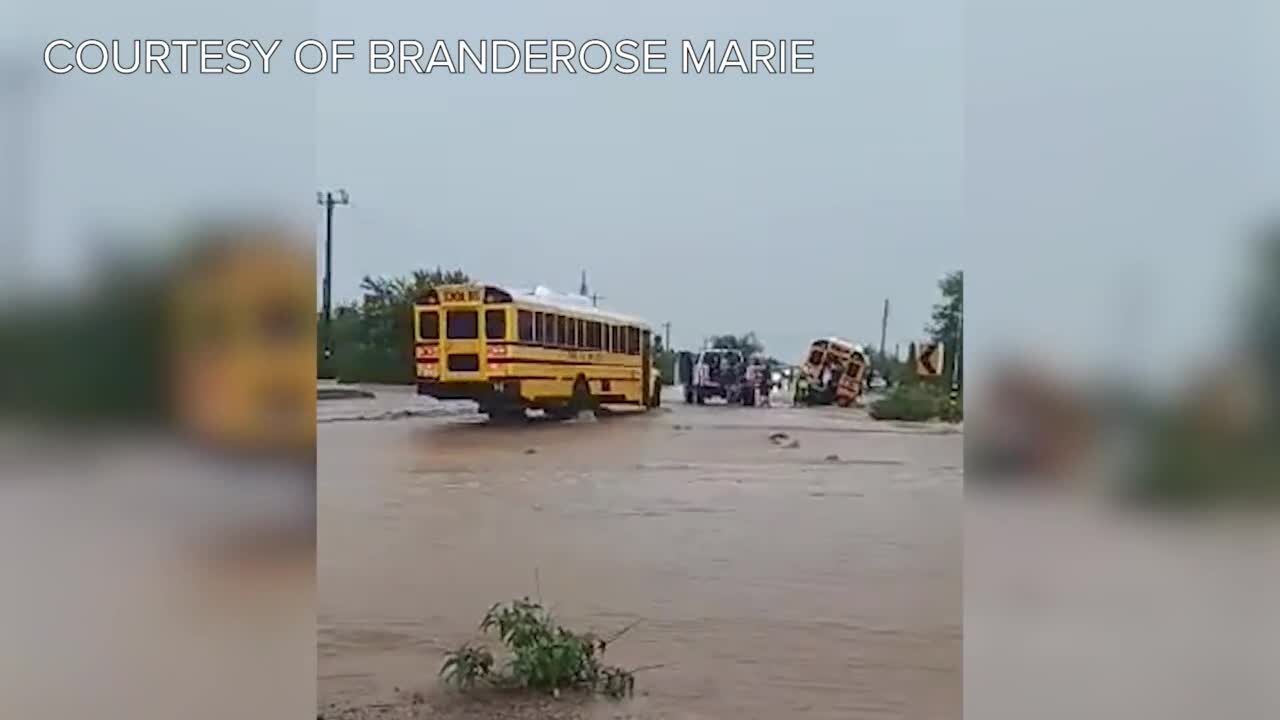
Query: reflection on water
817, 581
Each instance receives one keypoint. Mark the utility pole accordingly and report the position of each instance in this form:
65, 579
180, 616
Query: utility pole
328, 200
595, 300
666, 342
884, 326
582, 287
17, 89
955, 364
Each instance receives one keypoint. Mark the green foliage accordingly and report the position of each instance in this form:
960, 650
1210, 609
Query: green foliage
97, 355
373, 339
886, 366
1194, 462
544, 655
952, 410
909, 376
467, 666
947, 324
1263, 314
915, 402
665, 361
1189, 466
749, 344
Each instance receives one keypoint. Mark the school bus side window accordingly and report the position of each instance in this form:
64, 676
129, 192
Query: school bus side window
633, 341
573, 333
562, 327
539, 328
550, 337
495, 324
582, 334
524, 324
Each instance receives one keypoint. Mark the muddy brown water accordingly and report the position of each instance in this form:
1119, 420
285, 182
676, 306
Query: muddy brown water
769, 581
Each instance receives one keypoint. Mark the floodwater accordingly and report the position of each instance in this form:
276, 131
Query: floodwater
812, 576
147, 580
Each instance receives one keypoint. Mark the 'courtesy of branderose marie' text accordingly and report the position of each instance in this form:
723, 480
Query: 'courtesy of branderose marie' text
383, 56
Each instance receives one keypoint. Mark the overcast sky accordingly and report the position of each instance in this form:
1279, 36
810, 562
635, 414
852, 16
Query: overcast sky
788, 205
1094, 167
1118, 158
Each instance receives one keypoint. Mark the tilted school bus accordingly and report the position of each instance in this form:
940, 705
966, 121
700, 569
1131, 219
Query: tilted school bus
847, 364
511, 350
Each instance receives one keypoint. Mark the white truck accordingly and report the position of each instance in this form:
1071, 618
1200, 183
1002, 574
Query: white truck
716, 372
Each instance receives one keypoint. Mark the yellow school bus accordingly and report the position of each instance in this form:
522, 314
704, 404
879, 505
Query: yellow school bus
243, 345
510, 350
847, 364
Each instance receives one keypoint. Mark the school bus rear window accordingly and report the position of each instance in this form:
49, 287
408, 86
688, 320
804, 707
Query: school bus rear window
429, 325
462, 324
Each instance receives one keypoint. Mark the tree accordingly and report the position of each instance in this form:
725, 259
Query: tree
947, 325
1264, 314
884, 365
748, 344
373, 340
909, 375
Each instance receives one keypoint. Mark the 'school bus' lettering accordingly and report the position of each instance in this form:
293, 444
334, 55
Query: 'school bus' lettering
452, 296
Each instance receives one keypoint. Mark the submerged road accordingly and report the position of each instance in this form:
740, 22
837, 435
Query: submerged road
816, 575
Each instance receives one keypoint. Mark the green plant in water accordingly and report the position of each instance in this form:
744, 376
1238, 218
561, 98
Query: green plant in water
468, 665
545, 656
